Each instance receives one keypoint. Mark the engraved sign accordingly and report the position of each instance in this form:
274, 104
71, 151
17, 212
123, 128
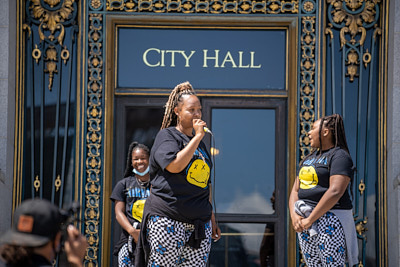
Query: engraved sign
221, 59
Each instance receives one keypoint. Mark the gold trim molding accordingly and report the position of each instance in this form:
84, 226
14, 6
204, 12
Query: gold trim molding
202, 6
307, 83
93, 160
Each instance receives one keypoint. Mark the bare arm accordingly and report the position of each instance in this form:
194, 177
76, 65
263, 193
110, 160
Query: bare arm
123, 220
296, 219
337, 186
185, 155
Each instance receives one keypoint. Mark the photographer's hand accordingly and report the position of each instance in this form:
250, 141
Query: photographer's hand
75, 247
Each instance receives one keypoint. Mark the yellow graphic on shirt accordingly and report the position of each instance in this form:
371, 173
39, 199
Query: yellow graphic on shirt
308, 177
137, 209
198, 173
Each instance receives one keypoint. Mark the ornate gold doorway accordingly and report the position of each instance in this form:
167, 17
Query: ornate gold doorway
326, 56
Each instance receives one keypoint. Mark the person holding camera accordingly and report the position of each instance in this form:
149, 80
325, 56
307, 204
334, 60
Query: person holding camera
36, 237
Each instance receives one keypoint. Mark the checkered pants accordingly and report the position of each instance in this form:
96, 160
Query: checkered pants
328, 247
124, 259
168, 238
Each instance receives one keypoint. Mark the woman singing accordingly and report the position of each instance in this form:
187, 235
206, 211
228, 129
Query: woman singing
320, 204
178, 214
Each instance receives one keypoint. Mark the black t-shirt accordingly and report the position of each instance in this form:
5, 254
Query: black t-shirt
180, 196
134, 195
315, 172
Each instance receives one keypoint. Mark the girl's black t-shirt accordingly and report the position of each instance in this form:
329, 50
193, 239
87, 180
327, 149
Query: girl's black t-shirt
180, 196
315, 172
134, 195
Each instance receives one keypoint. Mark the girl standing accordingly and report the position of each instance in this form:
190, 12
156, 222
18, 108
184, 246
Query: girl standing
129, 196
322, 187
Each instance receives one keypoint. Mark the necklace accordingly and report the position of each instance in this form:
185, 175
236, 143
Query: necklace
142, 183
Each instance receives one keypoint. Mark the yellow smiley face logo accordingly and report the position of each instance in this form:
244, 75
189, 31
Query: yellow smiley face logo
137, 209
198, 173
308, 177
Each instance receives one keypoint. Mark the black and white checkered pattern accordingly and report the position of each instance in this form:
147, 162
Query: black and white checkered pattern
124, 257
168, 242
328, 248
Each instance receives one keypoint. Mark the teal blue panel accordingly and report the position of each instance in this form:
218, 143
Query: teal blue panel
352, 90
208, 58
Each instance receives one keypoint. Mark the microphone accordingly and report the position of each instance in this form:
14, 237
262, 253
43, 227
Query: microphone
207, 130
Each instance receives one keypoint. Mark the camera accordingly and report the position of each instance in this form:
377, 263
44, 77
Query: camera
69, 216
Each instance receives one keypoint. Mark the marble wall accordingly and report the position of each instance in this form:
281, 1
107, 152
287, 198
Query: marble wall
7, 108
393, 133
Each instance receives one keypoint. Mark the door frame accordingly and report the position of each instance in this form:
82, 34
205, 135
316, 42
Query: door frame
290, 94
281, 170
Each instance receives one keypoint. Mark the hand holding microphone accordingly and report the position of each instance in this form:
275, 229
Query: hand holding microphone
207, 130
200, 126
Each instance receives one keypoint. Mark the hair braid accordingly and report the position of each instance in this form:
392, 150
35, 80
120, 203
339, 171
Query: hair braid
170, 118
321, 124
132, 146
335, 124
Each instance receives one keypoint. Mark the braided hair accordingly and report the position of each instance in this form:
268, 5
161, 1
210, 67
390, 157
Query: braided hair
334, 123
175, 97
132, 146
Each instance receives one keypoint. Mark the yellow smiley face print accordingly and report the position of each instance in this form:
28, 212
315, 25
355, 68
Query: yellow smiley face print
137, 209
198, 173
308, 177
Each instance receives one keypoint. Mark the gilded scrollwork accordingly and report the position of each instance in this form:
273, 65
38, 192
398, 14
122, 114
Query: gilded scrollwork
36, 54
52, 20
95, 4
352, 18
51, 16
307, 90
308, 6
360, 227
65, 54
94, 137
367, 58
352, 62
361, 187
57, 183
51, 64
202, 6
36, 183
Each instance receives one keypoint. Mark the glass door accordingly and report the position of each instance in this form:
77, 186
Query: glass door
249, 147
